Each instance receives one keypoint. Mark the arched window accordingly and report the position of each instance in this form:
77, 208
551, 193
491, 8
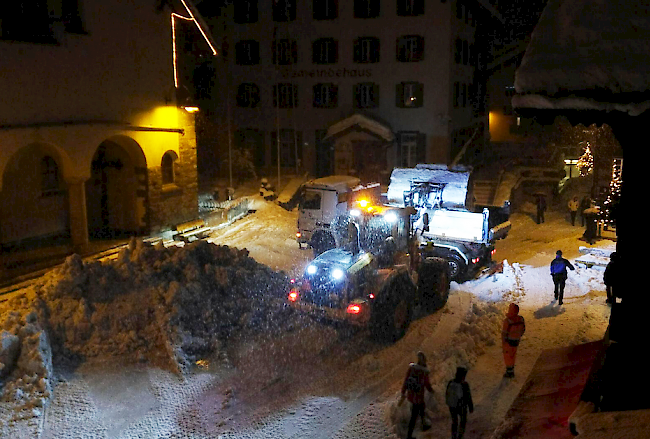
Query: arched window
167, 166
49, 176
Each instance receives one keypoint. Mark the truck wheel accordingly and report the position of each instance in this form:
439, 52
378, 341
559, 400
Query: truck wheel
391, 319
433, 283
457, 268
321, 242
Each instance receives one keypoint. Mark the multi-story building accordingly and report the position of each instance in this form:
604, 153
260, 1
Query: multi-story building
92, 141
354, 87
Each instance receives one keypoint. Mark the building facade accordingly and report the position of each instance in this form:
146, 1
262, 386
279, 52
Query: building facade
92, 142
354, 87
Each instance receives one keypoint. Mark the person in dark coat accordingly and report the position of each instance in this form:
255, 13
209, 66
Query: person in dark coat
585, 203
541, 208
459, 400
416, 381
559, 274
611, 277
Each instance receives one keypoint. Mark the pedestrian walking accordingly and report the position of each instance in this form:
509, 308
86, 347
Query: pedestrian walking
512, 330
541, 208
585, 203
459, 400
573, 209
559, 274
415, 383
590, 216
611, 277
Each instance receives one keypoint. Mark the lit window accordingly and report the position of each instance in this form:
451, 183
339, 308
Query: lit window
409, 95
366, 50
167, 167
285, 95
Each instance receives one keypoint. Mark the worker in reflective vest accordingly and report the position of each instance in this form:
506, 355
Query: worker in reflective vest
511, 332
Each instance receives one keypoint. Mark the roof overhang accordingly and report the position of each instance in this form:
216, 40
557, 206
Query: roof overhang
360, 123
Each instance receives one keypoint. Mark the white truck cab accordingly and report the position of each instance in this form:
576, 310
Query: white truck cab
322, 201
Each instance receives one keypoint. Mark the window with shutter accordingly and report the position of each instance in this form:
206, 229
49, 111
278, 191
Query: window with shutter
245, 11
285, 95
285, 52
248, 95
284, 10
366, 95
409, 95
366, 8
409, 8
325, 96
325, 9
247, 52
366, 50
410, 48
325, 51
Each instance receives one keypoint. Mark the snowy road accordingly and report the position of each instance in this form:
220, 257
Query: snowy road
317, 381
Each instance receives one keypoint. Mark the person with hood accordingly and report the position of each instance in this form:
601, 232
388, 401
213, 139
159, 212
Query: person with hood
559, 274
416, 381
611, 277
512, 330
459, 400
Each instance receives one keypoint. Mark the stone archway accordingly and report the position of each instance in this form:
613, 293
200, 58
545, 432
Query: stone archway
34, 197
116, 193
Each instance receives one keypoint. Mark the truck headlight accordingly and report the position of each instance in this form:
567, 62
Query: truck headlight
390, 217
337, 274
311, 269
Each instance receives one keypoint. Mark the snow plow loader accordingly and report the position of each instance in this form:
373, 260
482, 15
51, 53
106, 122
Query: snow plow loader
376, 278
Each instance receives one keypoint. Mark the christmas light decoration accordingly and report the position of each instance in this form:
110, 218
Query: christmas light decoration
614, 194
193, 18
586, 162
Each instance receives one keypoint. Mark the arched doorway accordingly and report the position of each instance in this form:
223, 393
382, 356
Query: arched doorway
116, 193
34, 197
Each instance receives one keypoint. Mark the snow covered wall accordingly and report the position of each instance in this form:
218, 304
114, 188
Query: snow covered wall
455, 195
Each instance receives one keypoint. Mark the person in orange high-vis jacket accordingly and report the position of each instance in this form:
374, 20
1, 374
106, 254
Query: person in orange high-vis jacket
511, 332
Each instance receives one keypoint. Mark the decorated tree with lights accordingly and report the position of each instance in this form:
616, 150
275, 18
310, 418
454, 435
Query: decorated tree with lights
613, 197
586, 161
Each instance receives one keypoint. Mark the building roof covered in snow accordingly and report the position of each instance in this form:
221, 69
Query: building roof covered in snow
587, 55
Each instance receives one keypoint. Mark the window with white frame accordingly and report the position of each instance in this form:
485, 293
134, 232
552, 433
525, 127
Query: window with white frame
410, 48
284, 10
366, 50
409, 8
366, 95
325, 96
410, 95
325, 9
245, 11
248, 95
325, 51
285, 52
410, 149
285, 95
247, 52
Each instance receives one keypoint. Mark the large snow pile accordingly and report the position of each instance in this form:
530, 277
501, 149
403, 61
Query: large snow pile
481, 328
167, 306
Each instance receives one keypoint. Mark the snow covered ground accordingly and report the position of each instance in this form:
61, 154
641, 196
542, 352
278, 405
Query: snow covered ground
312, 380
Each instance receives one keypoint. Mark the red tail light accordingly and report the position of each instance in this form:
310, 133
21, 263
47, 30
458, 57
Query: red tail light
293, 295
353, 308
494, 250
298, 235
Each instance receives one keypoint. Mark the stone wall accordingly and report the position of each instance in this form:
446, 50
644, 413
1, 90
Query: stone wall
176, 203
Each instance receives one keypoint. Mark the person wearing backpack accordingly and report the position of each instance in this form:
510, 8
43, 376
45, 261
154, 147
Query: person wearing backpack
559, 274
512, 330
459, 400
416, 381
